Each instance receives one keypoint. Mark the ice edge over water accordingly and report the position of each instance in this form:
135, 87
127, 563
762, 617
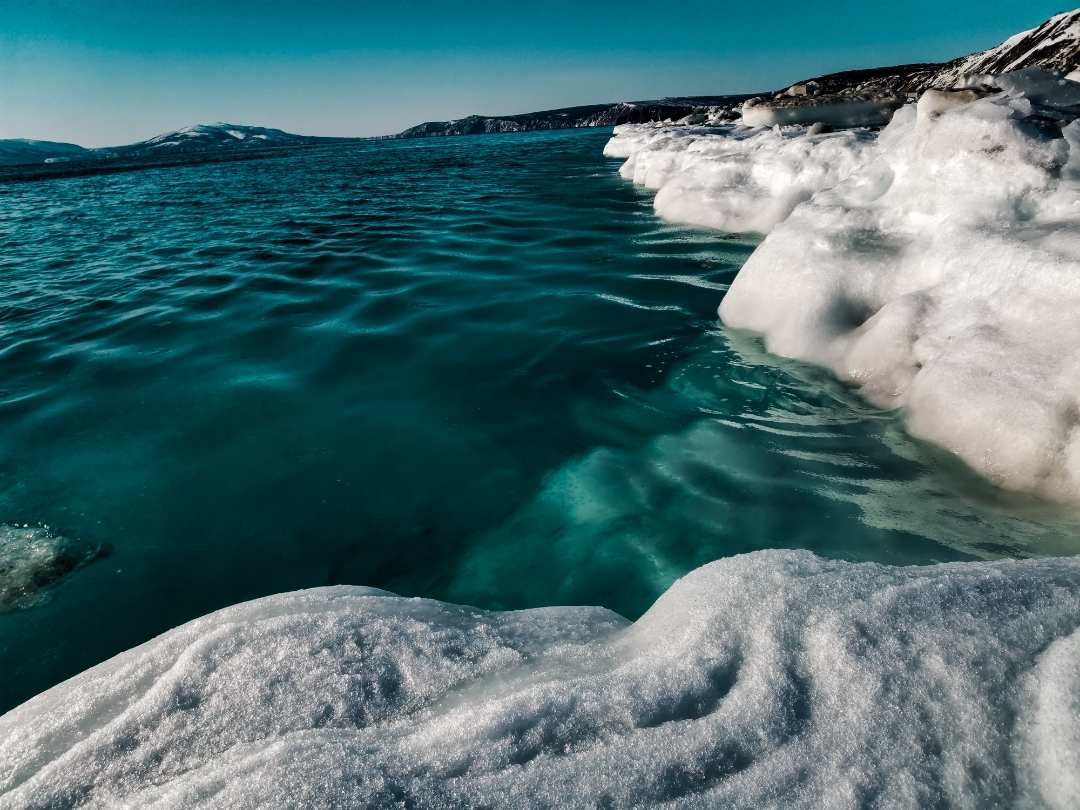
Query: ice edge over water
769, 679
936, 267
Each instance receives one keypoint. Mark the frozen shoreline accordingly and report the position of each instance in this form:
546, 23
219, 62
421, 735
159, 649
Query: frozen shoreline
935, 267
773, 678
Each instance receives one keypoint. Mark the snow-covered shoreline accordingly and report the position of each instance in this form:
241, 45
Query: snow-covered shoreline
771, 679
936, 266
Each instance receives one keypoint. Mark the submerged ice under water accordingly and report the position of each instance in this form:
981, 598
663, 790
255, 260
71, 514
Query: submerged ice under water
478, 370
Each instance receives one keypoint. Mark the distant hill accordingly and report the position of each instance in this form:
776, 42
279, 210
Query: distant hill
1053, 45
207, 137
19, 150
197, 138
593, 115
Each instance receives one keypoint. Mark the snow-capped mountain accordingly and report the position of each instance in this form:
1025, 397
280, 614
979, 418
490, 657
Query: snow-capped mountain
1053, 45
20, 150
208, 137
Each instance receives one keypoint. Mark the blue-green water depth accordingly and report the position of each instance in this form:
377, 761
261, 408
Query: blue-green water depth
474, 369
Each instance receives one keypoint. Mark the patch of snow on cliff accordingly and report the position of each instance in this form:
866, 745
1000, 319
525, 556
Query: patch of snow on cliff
1054, 44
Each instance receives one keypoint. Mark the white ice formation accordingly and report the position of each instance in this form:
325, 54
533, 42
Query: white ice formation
936, 268
775, 679
736, 177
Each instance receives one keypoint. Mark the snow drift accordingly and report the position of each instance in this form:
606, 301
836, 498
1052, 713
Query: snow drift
773, 679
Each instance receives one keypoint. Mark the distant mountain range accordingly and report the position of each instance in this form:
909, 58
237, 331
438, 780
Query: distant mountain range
1054, 44
593, 115
20, 150
198, 138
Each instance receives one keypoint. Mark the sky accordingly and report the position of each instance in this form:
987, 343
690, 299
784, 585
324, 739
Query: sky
111, 72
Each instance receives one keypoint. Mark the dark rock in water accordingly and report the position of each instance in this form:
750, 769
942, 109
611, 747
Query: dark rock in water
33, 559
594, 115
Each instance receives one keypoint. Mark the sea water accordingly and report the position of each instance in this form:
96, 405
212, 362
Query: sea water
474, 369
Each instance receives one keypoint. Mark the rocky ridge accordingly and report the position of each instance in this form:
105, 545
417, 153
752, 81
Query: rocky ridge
594, 115
849, 98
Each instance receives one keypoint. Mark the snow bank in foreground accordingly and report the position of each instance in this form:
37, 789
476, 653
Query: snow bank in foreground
736, 177
775, 679
944, 277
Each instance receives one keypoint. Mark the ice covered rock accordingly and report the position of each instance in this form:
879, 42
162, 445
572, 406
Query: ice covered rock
1049, 88
736, 177
944, 277
773, 679
693, 118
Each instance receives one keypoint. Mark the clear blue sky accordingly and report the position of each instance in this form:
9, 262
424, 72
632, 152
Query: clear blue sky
109, 72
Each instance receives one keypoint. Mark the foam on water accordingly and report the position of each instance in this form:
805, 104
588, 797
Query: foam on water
772, 679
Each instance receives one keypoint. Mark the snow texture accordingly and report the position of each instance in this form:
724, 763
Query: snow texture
775, 679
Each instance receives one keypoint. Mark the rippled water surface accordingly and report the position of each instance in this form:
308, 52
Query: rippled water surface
476, 369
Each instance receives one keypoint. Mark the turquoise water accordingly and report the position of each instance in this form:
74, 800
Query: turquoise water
476, 369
